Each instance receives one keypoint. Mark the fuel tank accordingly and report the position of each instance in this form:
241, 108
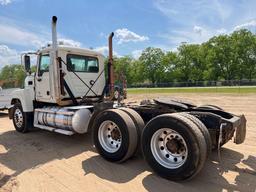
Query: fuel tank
76, 120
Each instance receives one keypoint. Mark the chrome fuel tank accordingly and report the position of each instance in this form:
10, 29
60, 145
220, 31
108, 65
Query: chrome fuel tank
64, 118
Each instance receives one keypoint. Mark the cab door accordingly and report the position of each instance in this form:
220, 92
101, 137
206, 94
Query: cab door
42, 79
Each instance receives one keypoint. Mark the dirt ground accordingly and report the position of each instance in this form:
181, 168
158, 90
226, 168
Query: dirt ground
44, 161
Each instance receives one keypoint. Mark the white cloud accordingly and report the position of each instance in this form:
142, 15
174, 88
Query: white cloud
124, 35
17, 36
198, 29
186, 19
197, 34
8, 56
136, 53
192, 11
5, 2
248, 25
31, 37
104, 51
221, 31
67, 42
103, 35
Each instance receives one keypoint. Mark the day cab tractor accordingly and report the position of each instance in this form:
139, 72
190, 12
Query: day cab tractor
66, 95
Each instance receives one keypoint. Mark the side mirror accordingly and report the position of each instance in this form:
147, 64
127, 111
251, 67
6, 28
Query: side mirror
27, 63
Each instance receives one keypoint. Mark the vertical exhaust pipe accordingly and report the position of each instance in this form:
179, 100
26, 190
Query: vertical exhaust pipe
54, 33
55, 72
111, 79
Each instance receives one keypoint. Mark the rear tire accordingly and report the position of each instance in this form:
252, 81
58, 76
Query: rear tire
190, 147
203, 129
22, 121
138, 121
115, 135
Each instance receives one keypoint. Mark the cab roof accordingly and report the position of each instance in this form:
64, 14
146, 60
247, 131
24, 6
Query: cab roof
71, 49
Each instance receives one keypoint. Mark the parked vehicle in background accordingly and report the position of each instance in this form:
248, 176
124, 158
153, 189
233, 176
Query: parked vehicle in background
5, 98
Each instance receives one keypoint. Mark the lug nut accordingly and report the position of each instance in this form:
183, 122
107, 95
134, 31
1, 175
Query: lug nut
161, 139
175, 159
167, 155
162, 148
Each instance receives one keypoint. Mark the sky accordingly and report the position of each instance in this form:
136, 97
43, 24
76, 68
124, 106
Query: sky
25, 25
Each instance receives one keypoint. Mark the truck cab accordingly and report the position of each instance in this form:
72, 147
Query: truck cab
64, 77
76, 62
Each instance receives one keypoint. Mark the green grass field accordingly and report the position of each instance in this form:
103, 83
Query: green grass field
243, 90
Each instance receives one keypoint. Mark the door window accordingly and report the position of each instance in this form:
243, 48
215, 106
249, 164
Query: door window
44, 64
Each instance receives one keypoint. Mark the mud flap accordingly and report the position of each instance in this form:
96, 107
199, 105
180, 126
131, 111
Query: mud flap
10, 111
240, 131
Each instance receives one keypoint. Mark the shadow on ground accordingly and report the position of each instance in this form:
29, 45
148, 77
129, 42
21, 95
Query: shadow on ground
25, 151
211, 176
3, 114
115, 172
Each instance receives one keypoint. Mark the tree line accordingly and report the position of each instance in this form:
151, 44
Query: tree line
223, 57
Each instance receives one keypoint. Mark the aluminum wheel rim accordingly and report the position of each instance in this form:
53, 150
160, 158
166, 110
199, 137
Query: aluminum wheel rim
18, 118
110, 136
160, 148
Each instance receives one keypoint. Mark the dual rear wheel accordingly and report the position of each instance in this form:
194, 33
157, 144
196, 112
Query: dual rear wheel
174, 145
116, 134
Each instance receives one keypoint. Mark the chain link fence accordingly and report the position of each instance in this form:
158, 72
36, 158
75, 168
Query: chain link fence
244, 82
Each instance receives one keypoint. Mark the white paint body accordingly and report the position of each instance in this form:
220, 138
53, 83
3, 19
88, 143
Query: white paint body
5, 98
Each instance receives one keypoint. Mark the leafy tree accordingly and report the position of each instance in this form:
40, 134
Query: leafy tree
136, 72
13, 75
151, 58
170, 61
191, 64
244, 43
221, 57
122, 67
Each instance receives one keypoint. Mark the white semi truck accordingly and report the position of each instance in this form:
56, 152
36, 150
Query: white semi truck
66, 95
